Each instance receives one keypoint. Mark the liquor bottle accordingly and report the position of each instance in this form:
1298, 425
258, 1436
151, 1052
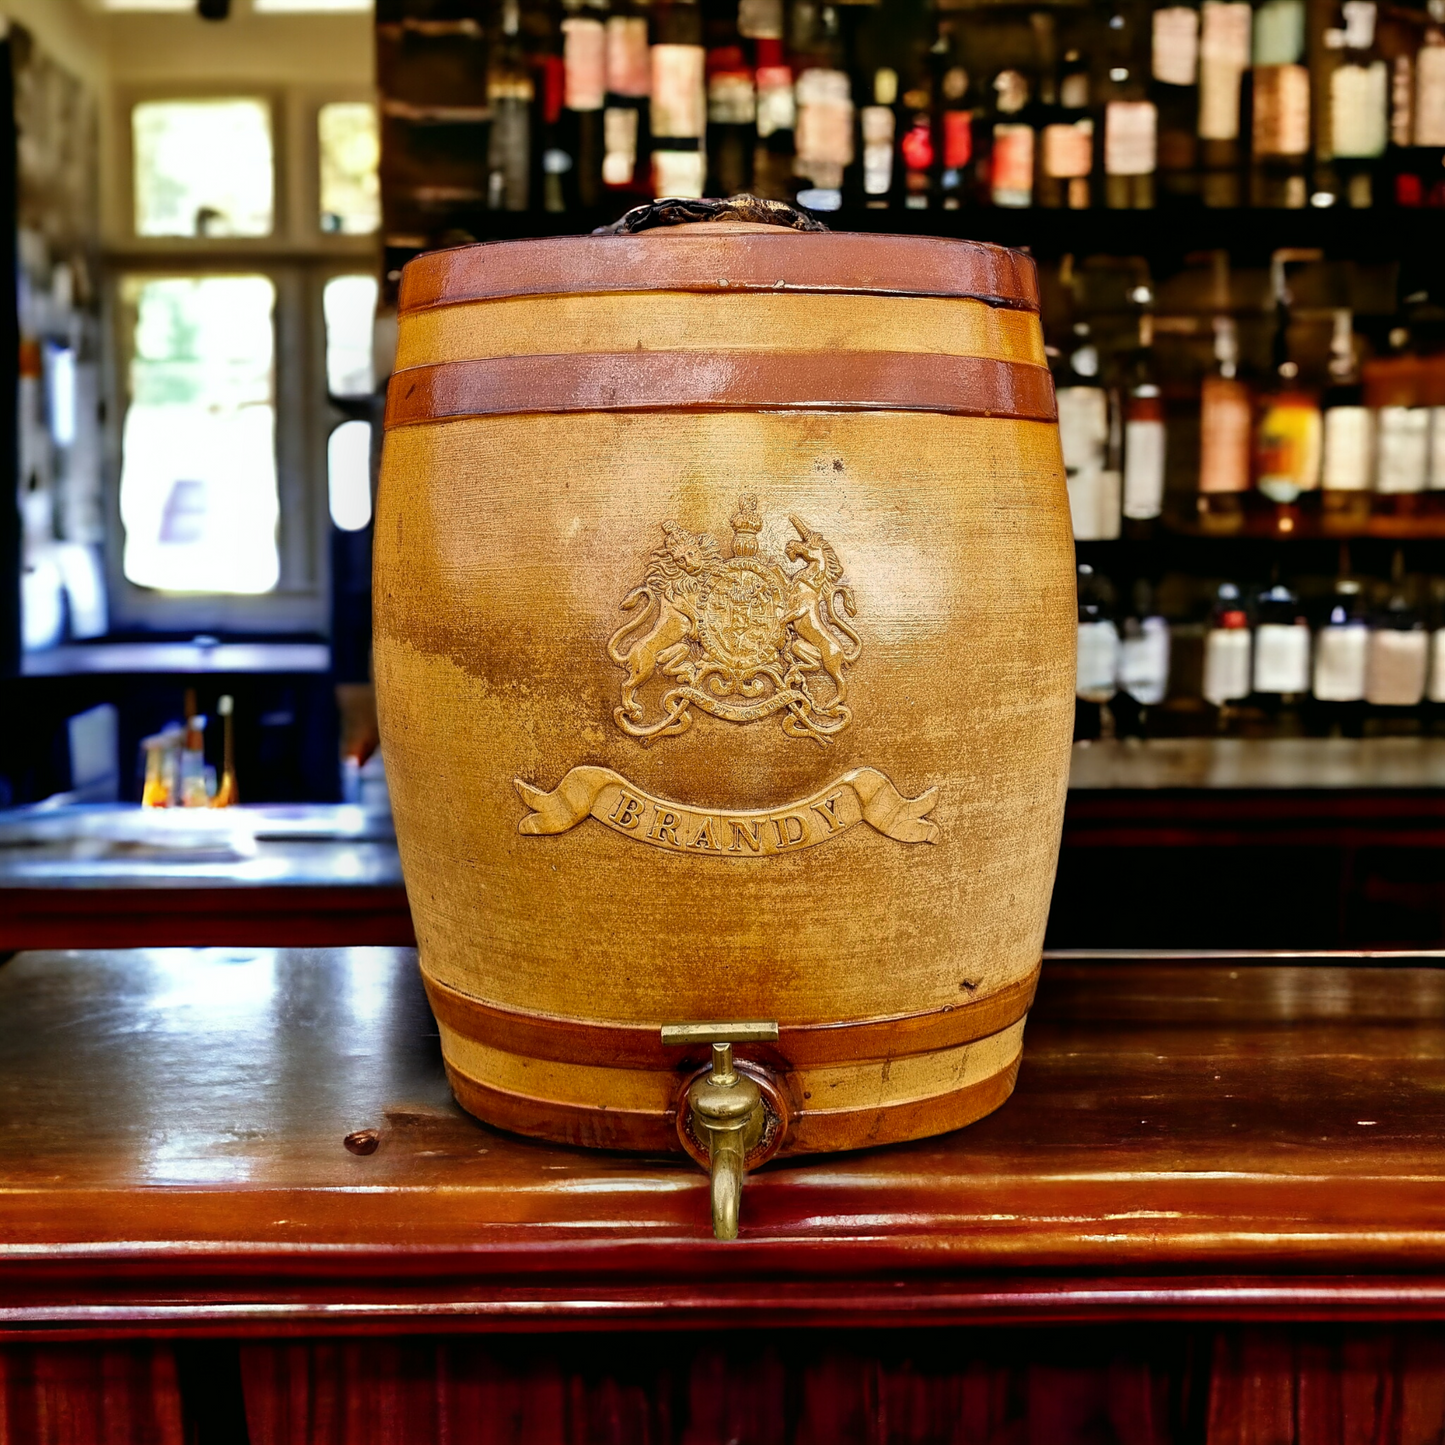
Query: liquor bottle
1226, 419
1349, 436
1012, 170
1359, 104
1129, 148
510, 93
227, 794
1435, 684
1289, 431
1281, 676
1174, 89
1224, 49
1098, 657
1144, 649
1228, 653
824, 129
584, 53
1402, 432
1144, 436
732, 115
1432, 396
1399, 656
194, 792
879, 123
629, 84
1280, 105
916, 149
955, 131
678, 110
1083, 403
777, 117
1066, 140
1341, 652
1428, 131
554, 167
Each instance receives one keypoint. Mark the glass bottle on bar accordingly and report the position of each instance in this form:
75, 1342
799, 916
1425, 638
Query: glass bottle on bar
1399, 660
1281, 680
510, 93
1280, 106
878, 125
1402, 435
1066, 144
1144, 431
732, 111
1144, 653
1289, 431
625, 164
824, 132
1228, 655
1349, 437
1341, 651
1428, 152
1131, 120
916, 148
584, 56
777, 117
1359, 99
1174, 89
1098, 657
1224, 49
1083, 403
1226, 422
955, 132
678, 111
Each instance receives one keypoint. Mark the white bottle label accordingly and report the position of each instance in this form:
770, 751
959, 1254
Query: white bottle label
1226, 664
878, 123
1143, 469
1437, 666
1281, 657
1340, 662
1430, 96
1403, 456
1130, 137
1176, 45
1395, 676
1069, 150
679, 99
1083, 427
1359, 110
678, 174
1098, 661
1349, 449
825, 123
1223, 59
1144, 662
1437, 448
584, 51
1094, 504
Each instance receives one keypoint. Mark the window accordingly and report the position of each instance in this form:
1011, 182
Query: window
198, 489
348, 465
183, 187
303, 7
349, 304
350, 152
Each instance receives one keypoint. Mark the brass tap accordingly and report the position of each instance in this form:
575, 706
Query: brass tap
726, 1112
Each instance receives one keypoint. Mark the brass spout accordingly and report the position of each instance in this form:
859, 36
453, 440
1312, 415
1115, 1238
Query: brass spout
727, 1116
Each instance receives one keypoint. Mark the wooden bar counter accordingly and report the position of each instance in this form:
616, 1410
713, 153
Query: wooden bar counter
237, 1155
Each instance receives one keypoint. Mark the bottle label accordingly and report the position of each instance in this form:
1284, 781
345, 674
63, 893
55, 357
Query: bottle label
1226, 664
731, 99
760, 19
1143, 469
957, 138
1225, 424
1094, 504
1281, 110
1130, 137
878, 122
1176, 45
1281, 657
1430, 96
1144, 662
678, 97
1083, 427
584, 55
1349, 449
776, 109
1288, 448
1359, 17
1398, 661
1436, 480
1403, 449
619, 141
1013, 165
1069, 150
1437, 666
629, 70
1223, 59
1279, 33
1098, 665
1359, 110
1340, 654
825, 124
678, 173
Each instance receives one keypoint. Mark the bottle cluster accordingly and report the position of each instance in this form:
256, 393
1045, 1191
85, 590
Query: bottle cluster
1359, 656
1122, 104
1252, 403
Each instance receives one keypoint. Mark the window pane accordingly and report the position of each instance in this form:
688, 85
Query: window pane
348, 468
350, 154
203, 168
350, 306
198, 496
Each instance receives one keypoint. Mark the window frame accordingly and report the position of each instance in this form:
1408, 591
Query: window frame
298, 258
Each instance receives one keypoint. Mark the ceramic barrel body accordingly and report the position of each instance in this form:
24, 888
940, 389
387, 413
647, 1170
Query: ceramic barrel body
725, 626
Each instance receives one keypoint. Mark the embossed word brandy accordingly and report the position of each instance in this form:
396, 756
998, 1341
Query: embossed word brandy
725, 628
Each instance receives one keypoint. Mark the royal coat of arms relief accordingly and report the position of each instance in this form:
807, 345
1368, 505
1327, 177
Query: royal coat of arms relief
740, 638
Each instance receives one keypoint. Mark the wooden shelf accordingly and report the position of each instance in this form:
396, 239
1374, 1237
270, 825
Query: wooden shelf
1251, 1139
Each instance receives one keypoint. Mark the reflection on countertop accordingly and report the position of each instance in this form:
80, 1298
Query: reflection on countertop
1259, 763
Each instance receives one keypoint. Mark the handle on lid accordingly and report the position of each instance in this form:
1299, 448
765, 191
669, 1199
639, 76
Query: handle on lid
674, 211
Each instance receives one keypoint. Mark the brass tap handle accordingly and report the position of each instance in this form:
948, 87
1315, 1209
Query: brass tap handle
727, 1111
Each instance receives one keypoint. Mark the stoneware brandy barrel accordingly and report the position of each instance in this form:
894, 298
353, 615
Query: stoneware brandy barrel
725, 626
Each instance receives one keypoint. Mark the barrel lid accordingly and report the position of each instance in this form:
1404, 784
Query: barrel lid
708, 258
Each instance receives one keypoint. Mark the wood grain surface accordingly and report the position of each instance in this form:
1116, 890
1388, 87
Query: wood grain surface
1192, 1140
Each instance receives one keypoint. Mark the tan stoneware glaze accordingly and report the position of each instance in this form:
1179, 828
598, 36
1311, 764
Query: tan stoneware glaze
725, 626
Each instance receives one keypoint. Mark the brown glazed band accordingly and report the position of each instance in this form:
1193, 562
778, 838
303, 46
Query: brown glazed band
691, 259
825, 1131
721, 381
799, 1046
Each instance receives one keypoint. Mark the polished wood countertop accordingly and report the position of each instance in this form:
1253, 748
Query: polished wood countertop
1207, 1137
